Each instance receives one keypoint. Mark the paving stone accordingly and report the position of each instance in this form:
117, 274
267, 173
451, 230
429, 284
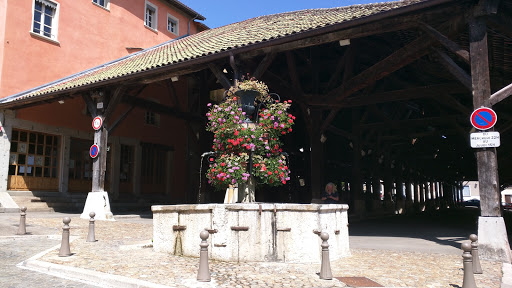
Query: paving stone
119, 251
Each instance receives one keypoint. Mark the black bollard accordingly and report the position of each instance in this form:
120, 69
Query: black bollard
469, 278
64, 245
325, 269
22, 230
203, 274
477, 268
90, 235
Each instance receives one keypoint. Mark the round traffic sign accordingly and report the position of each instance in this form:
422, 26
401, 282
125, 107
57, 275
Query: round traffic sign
97, 122
94, 151
483, 118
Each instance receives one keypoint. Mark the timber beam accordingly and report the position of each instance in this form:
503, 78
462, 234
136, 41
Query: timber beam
159, 108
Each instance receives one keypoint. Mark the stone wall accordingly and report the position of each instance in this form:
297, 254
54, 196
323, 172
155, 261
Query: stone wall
252, 232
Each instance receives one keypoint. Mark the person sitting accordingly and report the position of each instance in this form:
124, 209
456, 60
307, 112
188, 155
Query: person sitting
330, 195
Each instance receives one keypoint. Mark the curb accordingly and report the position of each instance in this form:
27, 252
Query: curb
91, 277
96, 278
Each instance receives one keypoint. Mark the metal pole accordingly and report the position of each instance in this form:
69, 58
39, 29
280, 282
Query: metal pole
22, 230
325, 269
469, 279
64, 246
477, 268
90, 236
203, 274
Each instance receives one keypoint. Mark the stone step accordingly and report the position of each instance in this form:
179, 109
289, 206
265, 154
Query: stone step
47, 202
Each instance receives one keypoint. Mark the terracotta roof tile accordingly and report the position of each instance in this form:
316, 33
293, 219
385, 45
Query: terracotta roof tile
208, 42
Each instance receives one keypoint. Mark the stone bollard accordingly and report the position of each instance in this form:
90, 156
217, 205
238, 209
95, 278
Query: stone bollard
90, 235
469, 279
22, 230
477, 268
203, 274
325, 269
64, 245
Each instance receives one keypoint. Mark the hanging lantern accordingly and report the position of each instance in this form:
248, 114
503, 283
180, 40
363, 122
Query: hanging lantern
246, 102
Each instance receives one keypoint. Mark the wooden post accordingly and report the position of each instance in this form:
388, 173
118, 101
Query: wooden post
486, 158
317, 155
491, 228
388, 177
99, 164
98, 200
356, 185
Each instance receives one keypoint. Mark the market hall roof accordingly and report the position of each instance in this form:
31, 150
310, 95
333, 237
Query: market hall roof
204, 46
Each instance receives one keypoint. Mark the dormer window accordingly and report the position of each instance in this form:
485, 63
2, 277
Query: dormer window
151, 19
172, 24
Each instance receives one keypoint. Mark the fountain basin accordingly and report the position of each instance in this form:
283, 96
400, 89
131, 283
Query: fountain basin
277, 232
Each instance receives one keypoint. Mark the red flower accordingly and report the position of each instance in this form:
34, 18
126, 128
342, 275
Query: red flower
222, 164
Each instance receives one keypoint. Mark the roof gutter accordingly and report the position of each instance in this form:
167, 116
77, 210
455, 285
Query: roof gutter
191, 19
226, 53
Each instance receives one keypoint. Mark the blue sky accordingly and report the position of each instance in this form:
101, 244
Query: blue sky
222, 12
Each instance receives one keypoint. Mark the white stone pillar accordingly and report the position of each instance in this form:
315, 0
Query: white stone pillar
6, 121
492, 239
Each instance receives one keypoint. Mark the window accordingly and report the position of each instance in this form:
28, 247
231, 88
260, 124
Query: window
152, 118
151, 18
45, 19
102, 3
172, 24
466, 192
127, 160
34, 154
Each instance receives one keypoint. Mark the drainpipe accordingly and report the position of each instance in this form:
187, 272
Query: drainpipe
188, 29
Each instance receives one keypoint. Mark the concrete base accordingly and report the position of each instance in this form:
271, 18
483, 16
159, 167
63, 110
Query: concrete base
7, 204
252, 232
98, 203
492, 239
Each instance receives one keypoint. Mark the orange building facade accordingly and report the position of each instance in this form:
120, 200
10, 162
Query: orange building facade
46, 40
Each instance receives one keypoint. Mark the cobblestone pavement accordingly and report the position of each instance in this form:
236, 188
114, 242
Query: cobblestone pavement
120, 251
14, 250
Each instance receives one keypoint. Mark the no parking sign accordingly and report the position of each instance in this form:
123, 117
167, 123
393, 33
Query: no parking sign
483, 118
94, 151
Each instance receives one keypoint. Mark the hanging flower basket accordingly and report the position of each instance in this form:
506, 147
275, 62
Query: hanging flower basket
235, 138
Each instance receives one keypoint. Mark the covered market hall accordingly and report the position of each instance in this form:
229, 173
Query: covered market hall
382, 95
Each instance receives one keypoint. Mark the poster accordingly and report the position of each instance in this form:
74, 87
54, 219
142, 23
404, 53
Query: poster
30, 160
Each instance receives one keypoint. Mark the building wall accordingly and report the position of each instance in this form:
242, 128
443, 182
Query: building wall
70, 119
474, 190
88, 36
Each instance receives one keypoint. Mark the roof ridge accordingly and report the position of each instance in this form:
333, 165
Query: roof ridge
233, 36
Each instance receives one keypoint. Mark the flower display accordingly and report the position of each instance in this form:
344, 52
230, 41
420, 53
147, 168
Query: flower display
237, 136
250, 83
273, 171
274, 119
229, 170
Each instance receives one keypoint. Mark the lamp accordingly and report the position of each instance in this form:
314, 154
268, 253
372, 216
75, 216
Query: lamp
246, 101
